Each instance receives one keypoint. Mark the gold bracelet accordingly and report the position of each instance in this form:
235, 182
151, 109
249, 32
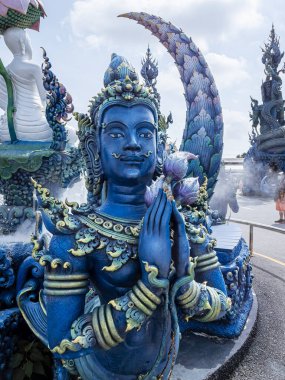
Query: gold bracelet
104, 328
150, 304
192, 297
215, 307
111, 325
149, 294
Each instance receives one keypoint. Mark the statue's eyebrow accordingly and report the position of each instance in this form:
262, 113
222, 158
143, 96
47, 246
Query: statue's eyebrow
145, 123
118, 124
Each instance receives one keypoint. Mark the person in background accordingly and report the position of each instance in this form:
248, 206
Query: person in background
280, 204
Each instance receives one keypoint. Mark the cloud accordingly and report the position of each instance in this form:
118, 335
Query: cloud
248, 17
228, 32
236, 128
205, 20
228, 71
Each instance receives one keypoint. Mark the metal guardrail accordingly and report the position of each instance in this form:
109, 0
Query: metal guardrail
257, 225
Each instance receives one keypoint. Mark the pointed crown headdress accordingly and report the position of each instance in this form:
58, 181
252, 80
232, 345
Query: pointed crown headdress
122, 87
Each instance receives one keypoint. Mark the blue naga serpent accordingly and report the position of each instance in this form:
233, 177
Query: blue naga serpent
203, 133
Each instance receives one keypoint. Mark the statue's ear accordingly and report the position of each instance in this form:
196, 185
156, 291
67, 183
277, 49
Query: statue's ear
160, 156
98, 143
94, 178
89, 147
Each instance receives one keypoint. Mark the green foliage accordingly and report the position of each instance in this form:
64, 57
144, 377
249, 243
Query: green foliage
31, 361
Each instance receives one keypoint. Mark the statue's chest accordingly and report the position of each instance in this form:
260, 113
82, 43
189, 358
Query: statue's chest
112, 249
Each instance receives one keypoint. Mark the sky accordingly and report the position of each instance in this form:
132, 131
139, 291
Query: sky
80, 36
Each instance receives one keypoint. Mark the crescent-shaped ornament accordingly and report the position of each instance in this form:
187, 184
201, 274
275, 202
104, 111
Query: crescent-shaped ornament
203, 133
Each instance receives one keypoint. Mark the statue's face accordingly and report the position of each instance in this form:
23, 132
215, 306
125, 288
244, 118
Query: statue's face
128, 144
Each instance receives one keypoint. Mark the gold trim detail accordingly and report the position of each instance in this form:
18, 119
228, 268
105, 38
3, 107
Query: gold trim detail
110, 323
61, 285
65, 292
97, 330
66, 277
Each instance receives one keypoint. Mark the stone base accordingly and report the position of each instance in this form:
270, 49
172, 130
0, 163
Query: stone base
202, 357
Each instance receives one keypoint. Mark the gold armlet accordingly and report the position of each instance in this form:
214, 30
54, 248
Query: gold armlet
62, 285
207, 262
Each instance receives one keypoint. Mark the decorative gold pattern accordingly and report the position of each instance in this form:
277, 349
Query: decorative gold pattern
56, 210
64, 345
152, 271
119, 238
113, 230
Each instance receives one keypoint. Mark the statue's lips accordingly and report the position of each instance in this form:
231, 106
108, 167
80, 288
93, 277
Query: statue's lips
132, 159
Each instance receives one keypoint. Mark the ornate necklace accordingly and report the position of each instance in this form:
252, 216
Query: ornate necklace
118, 236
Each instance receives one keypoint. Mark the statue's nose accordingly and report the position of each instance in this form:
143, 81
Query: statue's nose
132, 145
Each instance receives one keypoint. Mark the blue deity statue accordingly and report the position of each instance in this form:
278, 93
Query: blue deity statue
266, 156
119, 276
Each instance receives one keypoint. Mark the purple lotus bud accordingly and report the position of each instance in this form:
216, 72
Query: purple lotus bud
186, 155
152, 190
186, 192
176, 165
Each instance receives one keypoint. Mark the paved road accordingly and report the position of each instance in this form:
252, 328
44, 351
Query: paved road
265, 359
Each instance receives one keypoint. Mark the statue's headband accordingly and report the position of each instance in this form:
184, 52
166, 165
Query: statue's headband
122, 87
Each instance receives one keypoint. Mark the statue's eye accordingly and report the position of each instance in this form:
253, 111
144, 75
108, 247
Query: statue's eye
146, 135
116, 135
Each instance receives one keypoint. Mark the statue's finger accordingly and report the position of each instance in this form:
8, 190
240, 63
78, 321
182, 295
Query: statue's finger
153, 211
160, 212
177, 217
165, 220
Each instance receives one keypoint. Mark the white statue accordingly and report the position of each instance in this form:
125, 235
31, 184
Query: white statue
29, 94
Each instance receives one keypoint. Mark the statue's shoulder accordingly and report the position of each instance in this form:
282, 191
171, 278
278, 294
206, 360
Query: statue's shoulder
59, 218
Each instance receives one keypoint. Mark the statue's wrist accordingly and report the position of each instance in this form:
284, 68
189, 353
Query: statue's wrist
181, 271
154, 289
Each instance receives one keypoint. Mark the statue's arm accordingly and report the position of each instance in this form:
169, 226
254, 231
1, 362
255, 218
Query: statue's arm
76, 334
203, 295
65, 287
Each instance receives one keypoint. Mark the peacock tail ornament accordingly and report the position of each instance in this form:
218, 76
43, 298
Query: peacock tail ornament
203, 133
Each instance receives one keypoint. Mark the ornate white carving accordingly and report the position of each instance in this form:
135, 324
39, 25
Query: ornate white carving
29, 94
